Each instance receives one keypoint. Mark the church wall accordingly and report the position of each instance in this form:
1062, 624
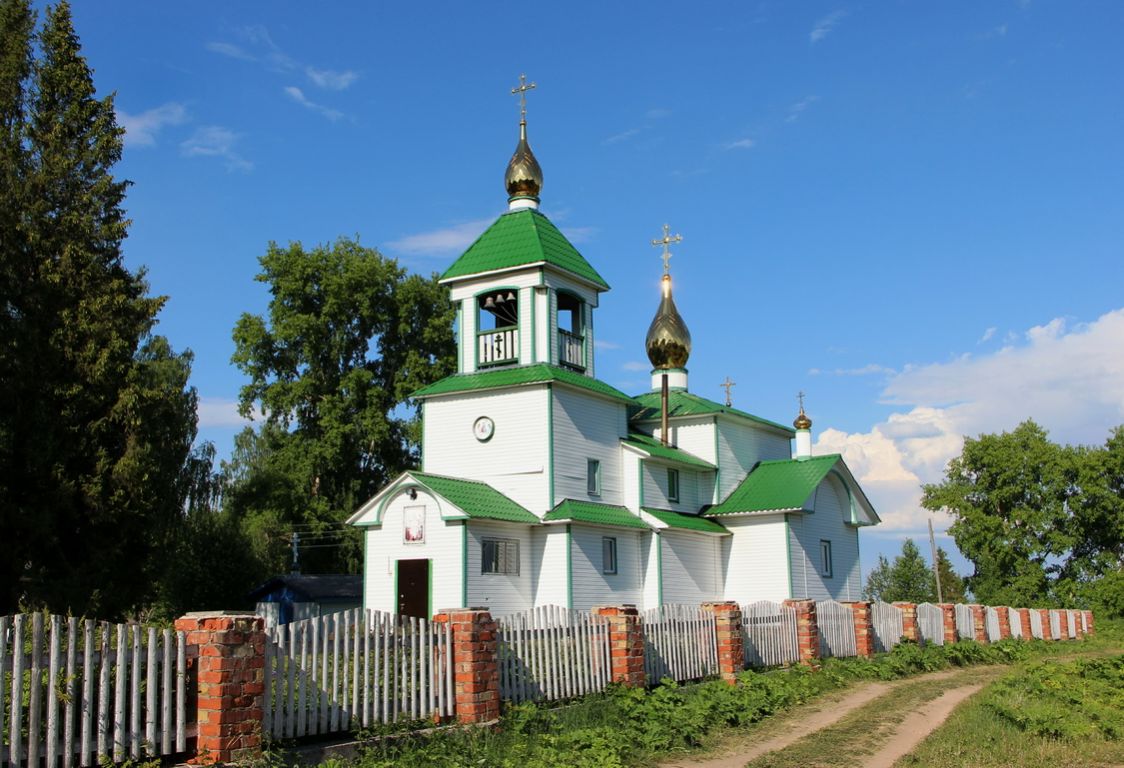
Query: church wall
654, 477
548, 579
755, 559
592, 587
690, 567
587, 428
503, 593
650, 568
740, 446
513, 462
831, 505
385, 545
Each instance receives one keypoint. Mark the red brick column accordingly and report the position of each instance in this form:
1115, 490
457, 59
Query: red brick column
1024, 623
1044, 615
731, 643
626, 644
1004, 621
864, 627
1089, 622
948, 621
807, 630
476, 672
909, 621
1063, 622
979, 622
229, 671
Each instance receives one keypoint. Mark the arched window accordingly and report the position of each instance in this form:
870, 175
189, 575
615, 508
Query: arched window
571, 335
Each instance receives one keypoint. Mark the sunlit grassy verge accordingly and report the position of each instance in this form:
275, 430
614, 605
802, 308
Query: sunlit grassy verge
629, 727
1067, 713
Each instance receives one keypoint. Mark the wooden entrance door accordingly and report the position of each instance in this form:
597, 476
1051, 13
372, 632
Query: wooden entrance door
413, 588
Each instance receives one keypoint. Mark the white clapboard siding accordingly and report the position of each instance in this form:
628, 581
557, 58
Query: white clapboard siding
690, 564
552, 653
888, 625
930, 624
827, 523
1015, 623
591, 586
586, 427
756, 559
991, 624
352, 669
680, 643
965, 622
501, 592
769, 634
1036, 624
837, 629
741, 444
71, 692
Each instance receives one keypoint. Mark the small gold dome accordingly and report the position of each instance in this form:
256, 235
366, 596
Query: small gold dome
524, 176
668, 341
802, 421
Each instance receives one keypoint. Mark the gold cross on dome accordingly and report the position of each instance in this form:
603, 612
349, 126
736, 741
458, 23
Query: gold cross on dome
522, 91
800, 397
728, 385
666, 242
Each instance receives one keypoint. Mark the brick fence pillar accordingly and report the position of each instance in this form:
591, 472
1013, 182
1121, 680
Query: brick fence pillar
948, 622
1044, 617
1024, 622
476, 672
731, 642
1004, 615
909, 621
229, 672
979, 622
1089, 622
1063, 622
626, 644
807, 630
864, 627
1079, 631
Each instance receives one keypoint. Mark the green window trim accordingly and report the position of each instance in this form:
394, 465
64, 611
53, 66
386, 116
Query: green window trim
609, 564
593, 477
673, 485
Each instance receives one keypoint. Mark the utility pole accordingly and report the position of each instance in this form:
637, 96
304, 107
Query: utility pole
936, 570
296, 541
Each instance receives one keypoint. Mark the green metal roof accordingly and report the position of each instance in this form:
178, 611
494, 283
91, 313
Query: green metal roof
777, 485
658, 450
686, 404
477, 500
519, 238
685, 522
591, 512
524, 374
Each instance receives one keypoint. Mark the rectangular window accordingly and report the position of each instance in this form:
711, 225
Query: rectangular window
673, 485
593, 477
825, 558
499, 556
608, 554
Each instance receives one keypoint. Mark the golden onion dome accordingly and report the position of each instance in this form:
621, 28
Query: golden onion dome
802, 421
524, 176
668, 341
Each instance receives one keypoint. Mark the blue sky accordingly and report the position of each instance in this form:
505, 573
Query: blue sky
910, 211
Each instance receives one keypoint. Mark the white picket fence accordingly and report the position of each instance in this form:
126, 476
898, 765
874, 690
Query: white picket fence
769, 634
1015, 622
680, 642
888, 622
930, 624
991, 624
81, 693
965, 622
552, 653
837, 629
352, 669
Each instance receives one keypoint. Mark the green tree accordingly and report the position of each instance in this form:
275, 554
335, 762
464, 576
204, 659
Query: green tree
97, 439
908, 578
953, 587
348, 337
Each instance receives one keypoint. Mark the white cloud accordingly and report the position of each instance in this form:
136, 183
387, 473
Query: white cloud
628, 134
297, 95
746, 143
798, 108
987, 335
603, 344
141, 129
331, 80
440, 241
579, 234
825, 25
870, 369
636, 365
1071, 381
215, 141
217, 412
231, 50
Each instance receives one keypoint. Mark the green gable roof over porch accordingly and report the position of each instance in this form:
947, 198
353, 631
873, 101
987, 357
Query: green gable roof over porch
592, 512
776, 486
477, 500
518, 239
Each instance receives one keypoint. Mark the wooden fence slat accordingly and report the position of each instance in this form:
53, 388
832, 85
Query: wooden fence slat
181, 691
34, 701
302, 682
88, 675
150, 689
15, 721
70, 705
4, 665
120, 684
166, 694
51, 747
134, 697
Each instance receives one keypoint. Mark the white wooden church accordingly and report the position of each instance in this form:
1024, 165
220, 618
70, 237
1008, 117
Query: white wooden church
540, 484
